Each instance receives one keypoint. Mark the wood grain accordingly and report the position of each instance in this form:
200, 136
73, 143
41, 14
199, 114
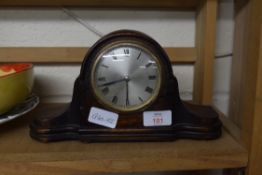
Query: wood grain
245, 105
76, 54
254, 163
188, 4
240, 37
19, 151
244, 67
205, 44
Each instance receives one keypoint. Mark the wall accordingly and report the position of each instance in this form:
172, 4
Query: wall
54, 27
224, 46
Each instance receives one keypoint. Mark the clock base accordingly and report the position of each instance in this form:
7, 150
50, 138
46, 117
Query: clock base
204, 124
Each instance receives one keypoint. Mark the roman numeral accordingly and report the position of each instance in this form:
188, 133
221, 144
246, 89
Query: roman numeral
148, 64
105, 90
105, 66
102, 79
151, 77
140, 99
126, 51
138, 56
127, 102
113, 55
149, 90
114, 100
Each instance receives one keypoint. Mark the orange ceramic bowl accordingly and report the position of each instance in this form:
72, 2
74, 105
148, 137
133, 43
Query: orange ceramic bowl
16, 82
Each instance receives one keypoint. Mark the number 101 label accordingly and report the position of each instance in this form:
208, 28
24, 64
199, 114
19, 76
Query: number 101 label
157, 118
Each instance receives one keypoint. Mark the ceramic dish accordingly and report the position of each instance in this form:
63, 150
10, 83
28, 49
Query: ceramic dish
16, 82
20, 109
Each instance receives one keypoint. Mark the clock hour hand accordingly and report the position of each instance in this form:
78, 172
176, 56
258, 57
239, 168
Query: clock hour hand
112, 82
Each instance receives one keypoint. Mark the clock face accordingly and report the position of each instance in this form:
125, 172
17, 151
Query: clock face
126, 77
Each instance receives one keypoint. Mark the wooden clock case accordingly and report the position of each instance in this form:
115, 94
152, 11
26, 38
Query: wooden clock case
70, 123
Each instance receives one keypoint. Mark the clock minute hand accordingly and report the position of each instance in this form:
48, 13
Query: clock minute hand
112, 82
127, 96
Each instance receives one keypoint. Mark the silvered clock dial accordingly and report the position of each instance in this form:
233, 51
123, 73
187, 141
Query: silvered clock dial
126, 76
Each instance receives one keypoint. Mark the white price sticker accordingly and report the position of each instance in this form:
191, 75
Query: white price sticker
157, 118
103, 117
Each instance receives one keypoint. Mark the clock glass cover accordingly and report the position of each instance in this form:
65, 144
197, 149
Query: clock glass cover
126, 76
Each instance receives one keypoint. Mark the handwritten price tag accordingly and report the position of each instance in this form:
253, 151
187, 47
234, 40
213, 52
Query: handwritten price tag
103, 117
157, 118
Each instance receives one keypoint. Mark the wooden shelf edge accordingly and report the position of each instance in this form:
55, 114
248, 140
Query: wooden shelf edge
18, 150
164, 4
76, 54
120, 166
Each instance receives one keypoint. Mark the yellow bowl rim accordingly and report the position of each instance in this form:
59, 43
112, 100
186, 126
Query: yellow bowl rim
30, 66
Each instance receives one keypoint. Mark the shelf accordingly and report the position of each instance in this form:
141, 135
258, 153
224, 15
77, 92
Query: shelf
19, 151
185, 4
77, 54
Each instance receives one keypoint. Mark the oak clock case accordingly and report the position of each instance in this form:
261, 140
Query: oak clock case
128, 73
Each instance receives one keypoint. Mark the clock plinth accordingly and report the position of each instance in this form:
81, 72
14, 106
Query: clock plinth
144, 82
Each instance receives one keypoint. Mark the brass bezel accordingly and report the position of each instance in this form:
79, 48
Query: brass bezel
100, 97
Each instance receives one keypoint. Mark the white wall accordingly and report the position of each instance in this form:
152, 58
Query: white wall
53, 27
224, 45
